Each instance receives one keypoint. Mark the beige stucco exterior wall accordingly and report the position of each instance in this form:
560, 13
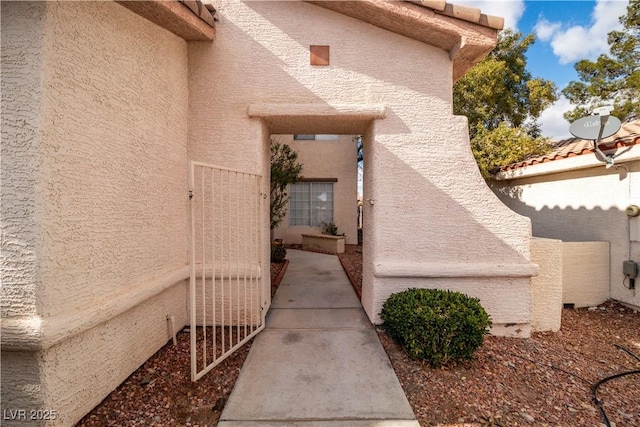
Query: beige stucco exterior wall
327, 159
547, 285
581, 206
94, 200
427, 226
585, 273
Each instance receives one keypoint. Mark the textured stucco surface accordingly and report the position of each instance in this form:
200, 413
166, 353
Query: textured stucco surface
22, 56
97, 101
547, 285
582, 206
114, 154
585, 273
73, 382
327, 159
416, 209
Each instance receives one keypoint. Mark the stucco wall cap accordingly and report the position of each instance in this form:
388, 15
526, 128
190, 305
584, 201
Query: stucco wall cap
317, 118
190, 20
372, 111
397, 268
35, 333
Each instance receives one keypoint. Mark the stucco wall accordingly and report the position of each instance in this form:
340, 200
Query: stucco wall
581, 206
97, 178
22, 43
547, 285
327, 159
419, 211
585, 273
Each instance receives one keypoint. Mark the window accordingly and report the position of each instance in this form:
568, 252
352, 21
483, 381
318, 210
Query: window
318, 137
311, 203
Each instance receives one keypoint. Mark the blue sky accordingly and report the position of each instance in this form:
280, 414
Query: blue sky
566, 31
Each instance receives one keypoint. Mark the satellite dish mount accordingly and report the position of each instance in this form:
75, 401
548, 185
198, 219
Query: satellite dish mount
600, 125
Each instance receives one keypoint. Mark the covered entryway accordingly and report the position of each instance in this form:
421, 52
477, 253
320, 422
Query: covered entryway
384, 70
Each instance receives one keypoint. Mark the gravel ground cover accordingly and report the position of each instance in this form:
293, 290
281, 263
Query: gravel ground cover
160, 392
545, 380
542, 381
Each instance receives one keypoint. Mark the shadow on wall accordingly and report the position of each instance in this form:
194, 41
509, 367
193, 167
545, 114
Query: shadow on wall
579, 224
582, 224
449, 218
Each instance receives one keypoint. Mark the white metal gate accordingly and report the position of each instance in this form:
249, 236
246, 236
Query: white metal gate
226, 296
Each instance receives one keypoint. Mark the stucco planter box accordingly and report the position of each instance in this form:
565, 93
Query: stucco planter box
323, 242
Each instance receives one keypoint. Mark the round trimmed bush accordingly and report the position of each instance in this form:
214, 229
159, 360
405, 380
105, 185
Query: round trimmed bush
440, 327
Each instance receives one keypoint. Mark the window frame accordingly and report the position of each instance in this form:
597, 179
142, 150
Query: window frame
308, 219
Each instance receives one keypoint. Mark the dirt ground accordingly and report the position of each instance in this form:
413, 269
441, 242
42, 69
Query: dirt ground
545, 380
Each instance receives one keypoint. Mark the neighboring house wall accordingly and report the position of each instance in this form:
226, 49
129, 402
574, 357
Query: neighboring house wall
586, 204
425, 225
327, 159
94, 200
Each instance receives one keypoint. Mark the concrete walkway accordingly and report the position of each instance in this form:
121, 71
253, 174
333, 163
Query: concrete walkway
319, 361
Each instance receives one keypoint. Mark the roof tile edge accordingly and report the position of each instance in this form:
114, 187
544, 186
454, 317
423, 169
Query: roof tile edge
465, 13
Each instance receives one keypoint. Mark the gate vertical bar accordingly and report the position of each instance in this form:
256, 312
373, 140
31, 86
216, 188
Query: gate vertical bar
192, 275
204, 275
244, 253
262, 304
252, 231
214, 334
222, 311
228, 246
237, 261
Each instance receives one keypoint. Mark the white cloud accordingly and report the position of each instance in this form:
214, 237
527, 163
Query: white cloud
510, 10
583, 42
553, 125
545, 30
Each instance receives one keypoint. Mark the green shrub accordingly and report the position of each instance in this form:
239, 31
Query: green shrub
278, 252
440, 327
329, 228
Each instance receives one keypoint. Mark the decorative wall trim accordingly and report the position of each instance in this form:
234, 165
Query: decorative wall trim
403, 269
36, 333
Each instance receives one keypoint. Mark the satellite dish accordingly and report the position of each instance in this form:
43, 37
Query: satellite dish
589, 127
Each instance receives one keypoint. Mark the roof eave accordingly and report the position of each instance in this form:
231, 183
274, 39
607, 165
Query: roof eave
451, 29
190, 20
584, 161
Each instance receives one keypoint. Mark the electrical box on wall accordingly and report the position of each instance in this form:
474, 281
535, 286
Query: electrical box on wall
630, 269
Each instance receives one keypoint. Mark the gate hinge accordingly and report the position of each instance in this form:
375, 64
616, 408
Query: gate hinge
190, 194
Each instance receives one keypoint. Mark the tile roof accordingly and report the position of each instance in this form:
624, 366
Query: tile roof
465, 13
629, 134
